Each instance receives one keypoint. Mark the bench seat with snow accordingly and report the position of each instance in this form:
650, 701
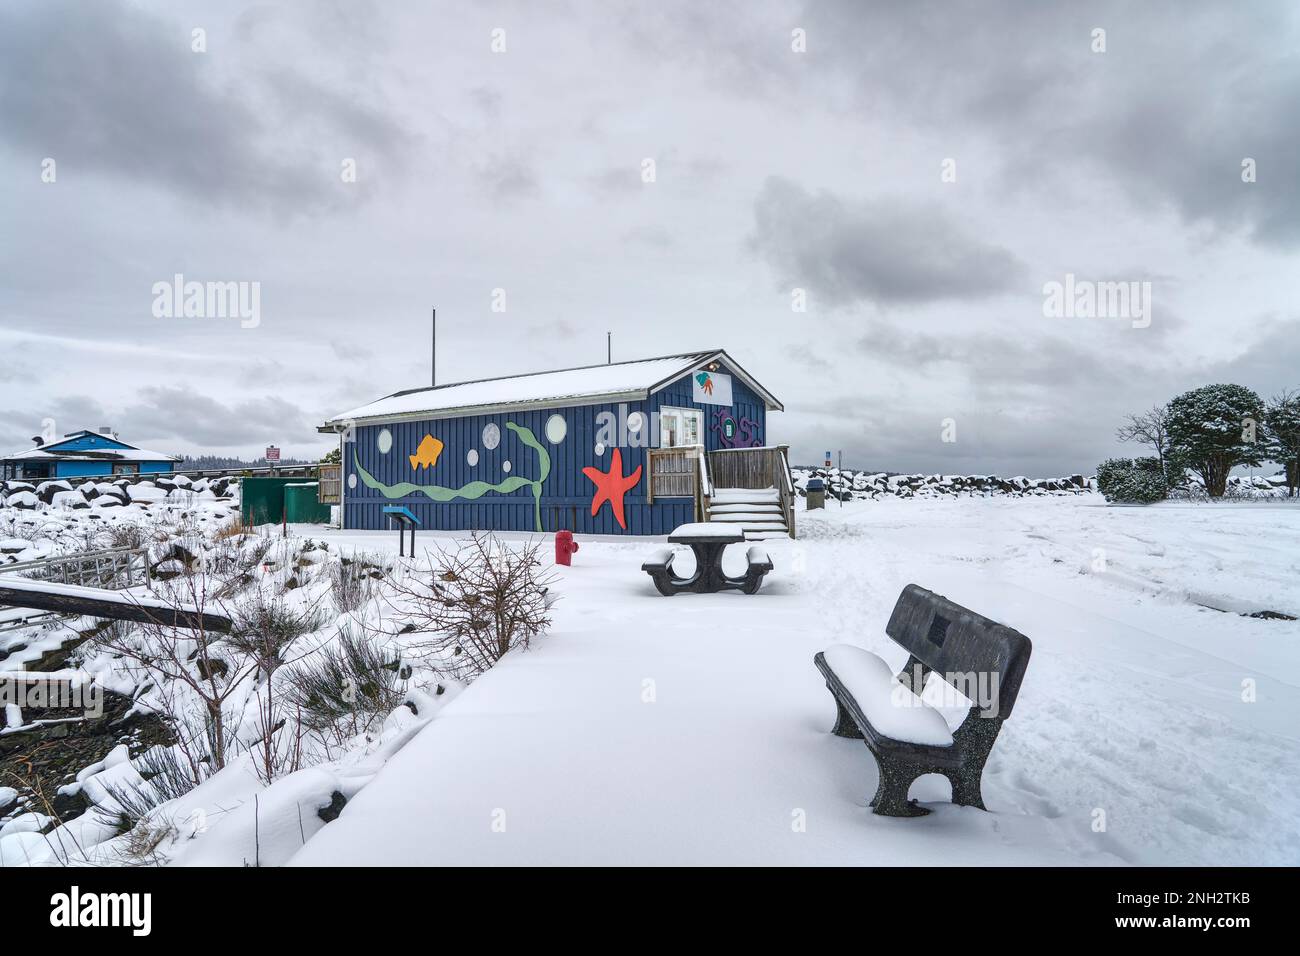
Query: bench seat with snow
981, 660
707, 541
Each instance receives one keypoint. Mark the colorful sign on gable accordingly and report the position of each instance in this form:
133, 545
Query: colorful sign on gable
711, 388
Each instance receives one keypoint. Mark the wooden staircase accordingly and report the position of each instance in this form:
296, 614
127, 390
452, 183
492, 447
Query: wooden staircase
751, 487
757, 510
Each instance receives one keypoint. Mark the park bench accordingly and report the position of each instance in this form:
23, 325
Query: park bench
980, 659
707, 542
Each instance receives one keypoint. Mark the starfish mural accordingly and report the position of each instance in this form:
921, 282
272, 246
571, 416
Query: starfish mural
611, 486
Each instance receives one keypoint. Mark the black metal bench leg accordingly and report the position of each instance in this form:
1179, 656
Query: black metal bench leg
976, 736
664, 582
966, 787
891, 794
844, 725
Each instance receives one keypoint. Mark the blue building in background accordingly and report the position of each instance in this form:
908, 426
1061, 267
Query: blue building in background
84, 453
623, 448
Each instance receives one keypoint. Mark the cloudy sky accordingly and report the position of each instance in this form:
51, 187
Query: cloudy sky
828, 168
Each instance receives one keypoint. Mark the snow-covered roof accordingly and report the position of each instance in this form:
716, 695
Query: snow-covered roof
593, 383
51, 451
91, 454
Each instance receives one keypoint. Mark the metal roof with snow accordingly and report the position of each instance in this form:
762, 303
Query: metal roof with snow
113, 449
591, 384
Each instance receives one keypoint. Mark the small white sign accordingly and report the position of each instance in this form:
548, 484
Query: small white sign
711, 388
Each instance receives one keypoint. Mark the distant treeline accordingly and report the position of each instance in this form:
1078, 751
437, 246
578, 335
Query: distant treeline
215, 462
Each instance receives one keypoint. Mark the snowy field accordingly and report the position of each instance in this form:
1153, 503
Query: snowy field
1156, 724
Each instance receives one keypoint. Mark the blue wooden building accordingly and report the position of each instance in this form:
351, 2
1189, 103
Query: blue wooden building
624, 448
84, 453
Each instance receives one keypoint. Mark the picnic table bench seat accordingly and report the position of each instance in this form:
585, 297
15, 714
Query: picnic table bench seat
707, 542
982, 660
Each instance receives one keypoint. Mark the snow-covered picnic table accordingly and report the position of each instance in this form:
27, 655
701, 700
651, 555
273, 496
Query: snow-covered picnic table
707, 540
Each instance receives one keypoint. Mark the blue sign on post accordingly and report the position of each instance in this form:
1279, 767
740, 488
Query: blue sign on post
405, 518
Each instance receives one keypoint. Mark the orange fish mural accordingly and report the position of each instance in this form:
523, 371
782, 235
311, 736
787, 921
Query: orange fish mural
426, 456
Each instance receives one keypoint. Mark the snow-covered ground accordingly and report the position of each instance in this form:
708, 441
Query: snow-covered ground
1157, 722
1151, 728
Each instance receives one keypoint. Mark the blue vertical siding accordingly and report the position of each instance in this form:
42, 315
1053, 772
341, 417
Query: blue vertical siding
78, 469
90, 442
566, 493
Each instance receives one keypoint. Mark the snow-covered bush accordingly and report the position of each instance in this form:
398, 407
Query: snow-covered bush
1132, 480
482, 600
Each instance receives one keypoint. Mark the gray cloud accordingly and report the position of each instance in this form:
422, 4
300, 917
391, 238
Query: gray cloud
1184, 92
775, 169
161, 416
508, 177
180, 413
111, 88
884, 251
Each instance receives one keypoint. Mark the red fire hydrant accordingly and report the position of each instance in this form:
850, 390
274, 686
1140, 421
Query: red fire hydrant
564, 547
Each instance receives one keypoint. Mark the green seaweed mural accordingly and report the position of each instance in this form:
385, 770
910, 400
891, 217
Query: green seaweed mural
474, 489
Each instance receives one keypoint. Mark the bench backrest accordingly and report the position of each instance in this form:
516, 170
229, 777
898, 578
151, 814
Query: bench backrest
951, 639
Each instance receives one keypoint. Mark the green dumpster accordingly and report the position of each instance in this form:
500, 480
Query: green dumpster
301, 505
261, 500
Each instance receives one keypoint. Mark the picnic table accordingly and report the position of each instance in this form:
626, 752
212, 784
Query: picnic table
707, 540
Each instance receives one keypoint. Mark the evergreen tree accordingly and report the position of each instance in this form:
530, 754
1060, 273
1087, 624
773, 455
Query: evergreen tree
1215, 428
1282, 426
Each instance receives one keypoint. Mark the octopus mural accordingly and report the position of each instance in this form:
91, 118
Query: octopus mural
733, 431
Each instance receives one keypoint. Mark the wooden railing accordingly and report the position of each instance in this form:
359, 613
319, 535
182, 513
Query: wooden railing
672, 472
329, 490
767, 467
681, 472
111, 569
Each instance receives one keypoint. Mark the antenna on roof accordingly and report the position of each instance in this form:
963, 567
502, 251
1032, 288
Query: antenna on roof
433, 353
609, 348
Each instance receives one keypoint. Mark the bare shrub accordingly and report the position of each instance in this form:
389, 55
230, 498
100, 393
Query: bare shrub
347, 688
353, 581
126, 534
234, 561
170, 658
264, 630
143, 843
481, 600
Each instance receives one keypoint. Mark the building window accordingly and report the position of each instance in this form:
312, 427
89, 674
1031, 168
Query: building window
680, 426
121, 468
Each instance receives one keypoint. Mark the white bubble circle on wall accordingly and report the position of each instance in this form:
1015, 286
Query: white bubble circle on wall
635, 422
556, 429
600, 448
471, 456
491, 436
384, 441
505, 465
352, 480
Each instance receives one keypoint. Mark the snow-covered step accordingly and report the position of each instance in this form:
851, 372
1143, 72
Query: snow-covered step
756, 510
742, 507
725, 496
